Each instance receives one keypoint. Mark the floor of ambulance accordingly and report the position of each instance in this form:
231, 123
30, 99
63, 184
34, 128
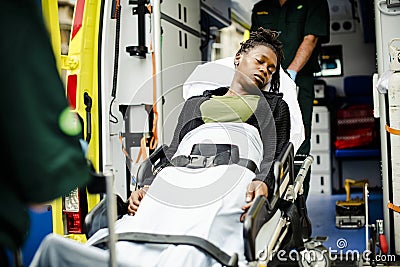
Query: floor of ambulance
322, 213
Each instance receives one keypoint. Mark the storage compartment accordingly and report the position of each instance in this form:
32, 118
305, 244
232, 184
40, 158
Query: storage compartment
186, 12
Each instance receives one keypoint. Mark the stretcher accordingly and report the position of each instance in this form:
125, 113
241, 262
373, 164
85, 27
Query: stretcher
272, 226
271, 230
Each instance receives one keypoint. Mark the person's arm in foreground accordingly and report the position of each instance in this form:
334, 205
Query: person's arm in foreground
42, 132
40, 137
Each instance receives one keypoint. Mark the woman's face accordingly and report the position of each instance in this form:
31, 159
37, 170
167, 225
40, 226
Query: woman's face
256, 66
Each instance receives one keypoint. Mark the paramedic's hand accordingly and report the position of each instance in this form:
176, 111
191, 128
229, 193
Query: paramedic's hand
254, 189
292, 74
134, 200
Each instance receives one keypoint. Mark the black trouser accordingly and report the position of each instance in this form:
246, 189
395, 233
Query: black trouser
305, 98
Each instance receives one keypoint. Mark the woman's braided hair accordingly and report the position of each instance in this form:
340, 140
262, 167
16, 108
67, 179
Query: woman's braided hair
267, 38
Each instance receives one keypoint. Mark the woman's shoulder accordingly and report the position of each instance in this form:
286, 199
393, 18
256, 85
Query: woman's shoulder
208, 93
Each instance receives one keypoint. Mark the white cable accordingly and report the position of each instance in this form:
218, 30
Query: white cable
386, 12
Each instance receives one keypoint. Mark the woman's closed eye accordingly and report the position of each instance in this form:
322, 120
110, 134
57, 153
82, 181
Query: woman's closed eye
271, 69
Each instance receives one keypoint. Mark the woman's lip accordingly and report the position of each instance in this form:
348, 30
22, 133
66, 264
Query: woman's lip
259, 78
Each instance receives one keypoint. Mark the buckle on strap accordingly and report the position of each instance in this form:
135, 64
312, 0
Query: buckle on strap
210, 155
197, 161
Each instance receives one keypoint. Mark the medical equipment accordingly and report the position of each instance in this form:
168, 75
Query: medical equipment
351, 212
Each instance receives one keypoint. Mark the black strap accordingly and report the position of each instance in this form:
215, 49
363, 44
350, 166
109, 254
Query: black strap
200, 243
195, 162
210, 155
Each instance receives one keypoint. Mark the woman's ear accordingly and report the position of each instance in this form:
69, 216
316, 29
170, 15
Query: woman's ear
237, 59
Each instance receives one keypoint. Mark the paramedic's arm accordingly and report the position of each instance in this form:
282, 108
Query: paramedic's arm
254, 189
303, 53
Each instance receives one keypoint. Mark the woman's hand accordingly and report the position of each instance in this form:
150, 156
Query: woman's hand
135, 199
254, 189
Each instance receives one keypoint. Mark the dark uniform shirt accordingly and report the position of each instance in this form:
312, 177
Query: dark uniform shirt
42, 157
294, 20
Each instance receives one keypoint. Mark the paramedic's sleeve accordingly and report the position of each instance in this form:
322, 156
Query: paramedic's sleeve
254, 19
317, 20
44, 157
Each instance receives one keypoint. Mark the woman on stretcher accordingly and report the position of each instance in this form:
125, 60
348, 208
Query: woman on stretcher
257, 63
207, 201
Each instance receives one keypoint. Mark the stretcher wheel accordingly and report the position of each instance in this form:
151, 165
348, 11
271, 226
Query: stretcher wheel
315, 257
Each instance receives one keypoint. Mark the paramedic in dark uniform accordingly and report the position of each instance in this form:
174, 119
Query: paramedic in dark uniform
303, 25
42, 155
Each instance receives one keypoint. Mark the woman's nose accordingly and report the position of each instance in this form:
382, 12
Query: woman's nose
264, 70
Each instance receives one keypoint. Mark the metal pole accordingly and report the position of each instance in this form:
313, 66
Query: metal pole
367, 247
298, 186
157, 54
382, 122
111, 216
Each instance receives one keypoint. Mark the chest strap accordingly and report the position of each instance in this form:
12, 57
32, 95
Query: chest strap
211, 155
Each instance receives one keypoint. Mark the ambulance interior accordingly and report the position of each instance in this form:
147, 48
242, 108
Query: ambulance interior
355, 178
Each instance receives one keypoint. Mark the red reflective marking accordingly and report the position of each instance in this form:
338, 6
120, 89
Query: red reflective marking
72, 83
80, 6
74, 225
